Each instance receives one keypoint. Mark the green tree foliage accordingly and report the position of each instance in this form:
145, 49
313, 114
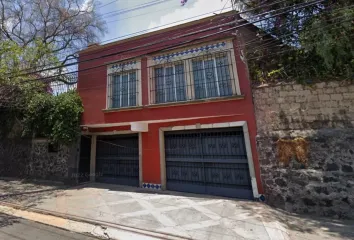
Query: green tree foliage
54, 117
312, 40
24, 98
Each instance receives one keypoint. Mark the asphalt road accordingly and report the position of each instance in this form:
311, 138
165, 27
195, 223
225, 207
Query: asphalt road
13, 228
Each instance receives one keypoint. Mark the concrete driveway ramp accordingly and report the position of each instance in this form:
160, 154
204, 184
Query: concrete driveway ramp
186, 215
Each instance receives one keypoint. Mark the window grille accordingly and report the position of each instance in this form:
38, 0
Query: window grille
123, 89
208, 76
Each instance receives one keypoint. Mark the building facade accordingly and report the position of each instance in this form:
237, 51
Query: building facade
172, 109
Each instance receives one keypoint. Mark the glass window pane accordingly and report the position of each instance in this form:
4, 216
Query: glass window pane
198, 77
169, 85
224, 78
159, 85
180, 82
124, 91
115, 91
132, 89
212, 88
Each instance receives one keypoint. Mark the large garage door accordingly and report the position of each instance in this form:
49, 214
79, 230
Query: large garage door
209, 162
117, 159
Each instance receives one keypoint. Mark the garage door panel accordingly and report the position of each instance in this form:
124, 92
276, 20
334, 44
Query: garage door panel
217, 166
181, 145
185, 172
117, 159
227, 174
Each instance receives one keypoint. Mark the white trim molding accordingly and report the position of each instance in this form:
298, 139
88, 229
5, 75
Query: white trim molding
242, 124
125, 66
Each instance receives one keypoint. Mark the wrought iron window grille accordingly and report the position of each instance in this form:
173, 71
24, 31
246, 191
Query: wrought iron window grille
123, 86
211, 75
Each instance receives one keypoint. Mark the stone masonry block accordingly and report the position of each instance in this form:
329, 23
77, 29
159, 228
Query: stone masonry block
313, 104
346, 103
290, 99
310, 118
333, 84
317, 91
324, 97
312, 98
300, 99
351, 88
294, 106
330, 104
283, 94
320, 85
293, 93
327, 111
348, 95
337, 97
298, 87
280, 100
341, 90
328, 90
303, 93
287, 87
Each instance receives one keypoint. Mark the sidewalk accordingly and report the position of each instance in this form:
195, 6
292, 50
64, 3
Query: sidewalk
188, 216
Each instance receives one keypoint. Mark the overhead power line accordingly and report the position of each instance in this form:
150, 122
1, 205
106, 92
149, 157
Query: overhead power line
160, 26
188, 41
134, 8
71, 64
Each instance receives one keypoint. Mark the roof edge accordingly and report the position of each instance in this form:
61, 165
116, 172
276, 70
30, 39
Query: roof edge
97, 46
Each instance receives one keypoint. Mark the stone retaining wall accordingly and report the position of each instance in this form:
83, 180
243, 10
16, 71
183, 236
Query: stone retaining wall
322, 114
27, 158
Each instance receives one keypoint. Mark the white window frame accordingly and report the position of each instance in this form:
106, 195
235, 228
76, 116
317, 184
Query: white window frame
214, 57
109, 80
189, 81
164, 67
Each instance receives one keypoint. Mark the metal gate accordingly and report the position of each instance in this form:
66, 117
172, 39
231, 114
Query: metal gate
117, 159
208, 162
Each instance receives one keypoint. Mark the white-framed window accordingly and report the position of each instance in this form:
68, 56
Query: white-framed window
123, 86
123, 89
170, 83
193, 77
212, 76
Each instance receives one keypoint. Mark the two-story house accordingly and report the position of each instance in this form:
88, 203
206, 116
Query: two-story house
172, 109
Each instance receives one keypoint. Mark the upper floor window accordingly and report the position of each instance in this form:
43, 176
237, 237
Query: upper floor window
123, 87
170, 83
210, 75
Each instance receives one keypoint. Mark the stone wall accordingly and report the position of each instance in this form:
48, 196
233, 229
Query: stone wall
27, 158
322, 114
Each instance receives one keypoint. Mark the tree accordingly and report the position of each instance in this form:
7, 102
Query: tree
315, 39
64, 25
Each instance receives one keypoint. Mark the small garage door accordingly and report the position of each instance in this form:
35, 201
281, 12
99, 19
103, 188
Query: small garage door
208, 162
117, 159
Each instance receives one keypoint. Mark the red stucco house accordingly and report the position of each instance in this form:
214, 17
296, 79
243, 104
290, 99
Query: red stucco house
172, 109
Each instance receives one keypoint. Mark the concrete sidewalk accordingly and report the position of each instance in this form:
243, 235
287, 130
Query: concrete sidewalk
185, 215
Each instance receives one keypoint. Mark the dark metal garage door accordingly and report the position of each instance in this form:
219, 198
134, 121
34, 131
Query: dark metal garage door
117, 159
208, 162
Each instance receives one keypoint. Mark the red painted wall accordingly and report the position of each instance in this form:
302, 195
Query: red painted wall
92, 89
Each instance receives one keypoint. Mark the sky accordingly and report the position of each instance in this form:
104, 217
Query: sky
127, 18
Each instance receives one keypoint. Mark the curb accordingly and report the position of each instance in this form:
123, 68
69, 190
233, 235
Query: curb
105, 226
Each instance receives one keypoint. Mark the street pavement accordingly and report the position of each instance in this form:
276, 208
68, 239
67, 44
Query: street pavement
179, 214
189, 216
14, 228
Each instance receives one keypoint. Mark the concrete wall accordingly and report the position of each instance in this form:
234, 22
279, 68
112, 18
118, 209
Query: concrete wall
27, 158
322, 114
